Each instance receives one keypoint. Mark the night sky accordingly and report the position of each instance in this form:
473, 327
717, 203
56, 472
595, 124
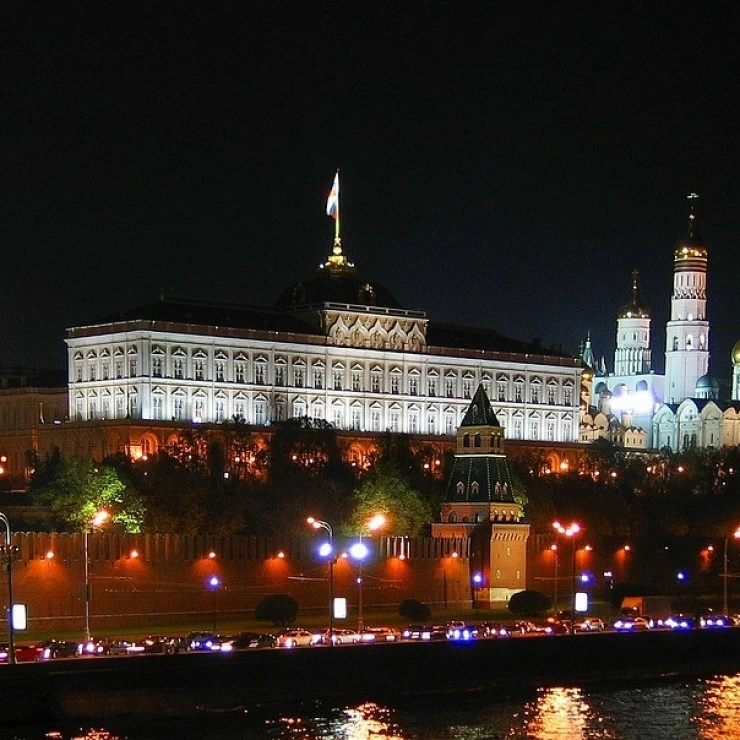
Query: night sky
501, 165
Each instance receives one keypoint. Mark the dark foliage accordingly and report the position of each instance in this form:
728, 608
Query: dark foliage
414, 610
527, 603
278, 609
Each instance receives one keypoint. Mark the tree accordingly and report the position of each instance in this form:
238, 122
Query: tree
414, 610
278, 609
75, 489
526, 603
386, 491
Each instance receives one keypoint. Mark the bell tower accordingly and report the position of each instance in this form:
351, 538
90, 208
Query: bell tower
687, 332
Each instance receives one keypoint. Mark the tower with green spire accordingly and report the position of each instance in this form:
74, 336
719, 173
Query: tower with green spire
480, 504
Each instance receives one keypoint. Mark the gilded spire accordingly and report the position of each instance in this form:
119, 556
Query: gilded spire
634, 308
691, 245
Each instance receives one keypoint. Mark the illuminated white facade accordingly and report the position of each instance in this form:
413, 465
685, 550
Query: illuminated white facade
335, 347
687, 332
681, 409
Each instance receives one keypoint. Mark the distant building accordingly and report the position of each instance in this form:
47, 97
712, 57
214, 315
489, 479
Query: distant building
334, 347
640, 409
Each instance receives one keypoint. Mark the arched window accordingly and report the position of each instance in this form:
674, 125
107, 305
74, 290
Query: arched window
460, 488
689, 342
466, 440
675, 344
477, 440
474, 488
452, 518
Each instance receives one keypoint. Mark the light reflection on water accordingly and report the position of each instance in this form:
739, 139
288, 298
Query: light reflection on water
697, 709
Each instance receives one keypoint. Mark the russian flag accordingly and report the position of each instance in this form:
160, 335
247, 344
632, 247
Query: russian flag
332, 202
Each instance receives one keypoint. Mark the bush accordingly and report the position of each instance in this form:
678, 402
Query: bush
414, 610
529, 603
279, 609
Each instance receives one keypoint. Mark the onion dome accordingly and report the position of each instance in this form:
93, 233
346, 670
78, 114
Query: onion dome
691, 243
735, 355
635, 307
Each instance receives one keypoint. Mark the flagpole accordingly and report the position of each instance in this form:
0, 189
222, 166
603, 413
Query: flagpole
336, 222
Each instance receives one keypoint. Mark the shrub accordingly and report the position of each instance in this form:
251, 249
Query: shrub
529, 603
279, 609
414, 610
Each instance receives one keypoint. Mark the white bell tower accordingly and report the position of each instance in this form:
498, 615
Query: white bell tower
687, 332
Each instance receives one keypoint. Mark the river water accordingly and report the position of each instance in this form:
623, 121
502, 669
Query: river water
706, 708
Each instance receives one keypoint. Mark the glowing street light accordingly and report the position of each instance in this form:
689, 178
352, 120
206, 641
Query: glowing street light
326, 550
9, 552
213, 584
571, 531
725, 575
359, 552
98, 520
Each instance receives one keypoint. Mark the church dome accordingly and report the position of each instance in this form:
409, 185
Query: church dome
337, 281
635, 307
707, 382
691, 243
735, 355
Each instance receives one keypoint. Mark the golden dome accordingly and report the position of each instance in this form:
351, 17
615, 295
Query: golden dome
736, 353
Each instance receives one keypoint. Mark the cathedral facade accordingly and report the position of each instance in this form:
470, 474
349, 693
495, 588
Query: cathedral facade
683, 408
333, 347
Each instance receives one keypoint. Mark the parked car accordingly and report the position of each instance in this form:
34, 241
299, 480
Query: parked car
465, 632
147, 645
292, 638
103, 646
338, 637
426, 633
712, 621
493, 629
379, 634
53, 649
634, 623
680, 622
251, 640
588, 624
205, 642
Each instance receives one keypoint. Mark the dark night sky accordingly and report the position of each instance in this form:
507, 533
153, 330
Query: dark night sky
501, 165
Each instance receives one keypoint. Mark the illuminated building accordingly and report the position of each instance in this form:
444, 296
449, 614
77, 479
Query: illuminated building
640, 409
334, 347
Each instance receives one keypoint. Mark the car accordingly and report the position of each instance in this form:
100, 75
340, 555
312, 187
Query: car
632, 624
464, 633
371, 635
588, 624
292, 638
147, 646
338, 637
711, 621
493, 629
525, 627
103, 646
680, 622
426, 633
206, 642
54, 649
251, 640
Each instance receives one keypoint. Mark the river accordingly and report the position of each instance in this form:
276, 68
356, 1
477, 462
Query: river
705, 708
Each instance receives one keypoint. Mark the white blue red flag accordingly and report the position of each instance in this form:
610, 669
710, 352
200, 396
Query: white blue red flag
332, 203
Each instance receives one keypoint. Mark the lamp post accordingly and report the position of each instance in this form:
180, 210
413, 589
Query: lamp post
572, 531
725, 574
9, 551
213, 584
100, 517
327, 551
359, 552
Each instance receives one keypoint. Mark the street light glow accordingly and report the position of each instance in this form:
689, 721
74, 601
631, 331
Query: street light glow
359, 551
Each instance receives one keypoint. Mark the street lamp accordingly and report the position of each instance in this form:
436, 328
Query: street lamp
9, 551
725, 575
327, 551
213, 584
359, 552
572, 531
100, 517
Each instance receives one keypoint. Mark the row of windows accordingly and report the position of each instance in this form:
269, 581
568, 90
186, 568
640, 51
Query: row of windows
199, 409
552, 393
